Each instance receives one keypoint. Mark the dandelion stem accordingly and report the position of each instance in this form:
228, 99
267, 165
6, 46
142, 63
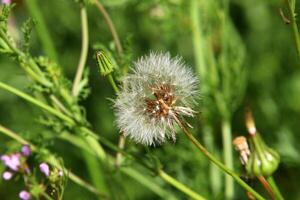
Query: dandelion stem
292, 15
84, 50
274, 187
121, 145
180, 186
216, 161
113, 83
110, 25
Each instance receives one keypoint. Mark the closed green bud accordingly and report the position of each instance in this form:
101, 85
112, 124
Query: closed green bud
104, 63
263, 161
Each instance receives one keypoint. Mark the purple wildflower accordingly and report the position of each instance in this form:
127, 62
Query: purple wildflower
60, 173
7, 175
44, 167
26, 150
7, 2
24, 195
12, 161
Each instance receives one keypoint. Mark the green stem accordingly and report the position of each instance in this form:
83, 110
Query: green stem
274, 187
292, 15
36, 102
113, 83
42, 30
214, 173
197, 38
217, 162
84, 50
95, 170
110, 25
228, 160
180, 186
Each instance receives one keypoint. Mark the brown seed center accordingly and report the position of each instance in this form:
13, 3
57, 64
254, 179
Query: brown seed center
160, 106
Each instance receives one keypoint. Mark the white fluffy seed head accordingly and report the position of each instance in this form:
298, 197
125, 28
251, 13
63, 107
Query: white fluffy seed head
158, 90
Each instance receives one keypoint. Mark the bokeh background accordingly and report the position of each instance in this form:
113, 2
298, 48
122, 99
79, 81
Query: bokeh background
271, 87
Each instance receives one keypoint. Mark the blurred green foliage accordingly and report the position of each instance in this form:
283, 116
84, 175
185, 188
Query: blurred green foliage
270, 86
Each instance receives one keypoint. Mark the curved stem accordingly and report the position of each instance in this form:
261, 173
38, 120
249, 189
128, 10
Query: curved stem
179, 186
84, 50
110, 25
292, 15
216, 161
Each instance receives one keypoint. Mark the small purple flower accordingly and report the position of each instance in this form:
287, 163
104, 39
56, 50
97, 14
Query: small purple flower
7, 2
44, 167
26, 150
24, 195
12, 161
7, 175
60, 173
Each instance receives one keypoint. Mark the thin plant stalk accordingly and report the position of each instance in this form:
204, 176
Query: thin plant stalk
227, 154
293, 21
275, 188
216, 161
214, 173
122, 138
267, 186
179, 186
84, 50
110, 25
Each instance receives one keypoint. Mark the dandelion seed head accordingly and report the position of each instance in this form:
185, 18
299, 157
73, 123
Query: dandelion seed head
158, 89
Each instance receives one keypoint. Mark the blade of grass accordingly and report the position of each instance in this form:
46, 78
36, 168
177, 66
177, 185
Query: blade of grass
42, 30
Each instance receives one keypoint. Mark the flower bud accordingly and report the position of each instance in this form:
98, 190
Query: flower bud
44, 167
104, 63
263, 161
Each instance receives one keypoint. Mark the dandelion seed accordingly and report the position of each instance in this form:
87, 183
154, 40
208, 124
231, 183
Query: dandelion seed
159, 90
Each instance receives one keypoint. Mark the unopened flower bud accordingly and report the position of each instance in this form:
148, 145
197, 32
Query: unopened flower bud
26, 150
24, 195
44, 167
104, 63
263, 161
